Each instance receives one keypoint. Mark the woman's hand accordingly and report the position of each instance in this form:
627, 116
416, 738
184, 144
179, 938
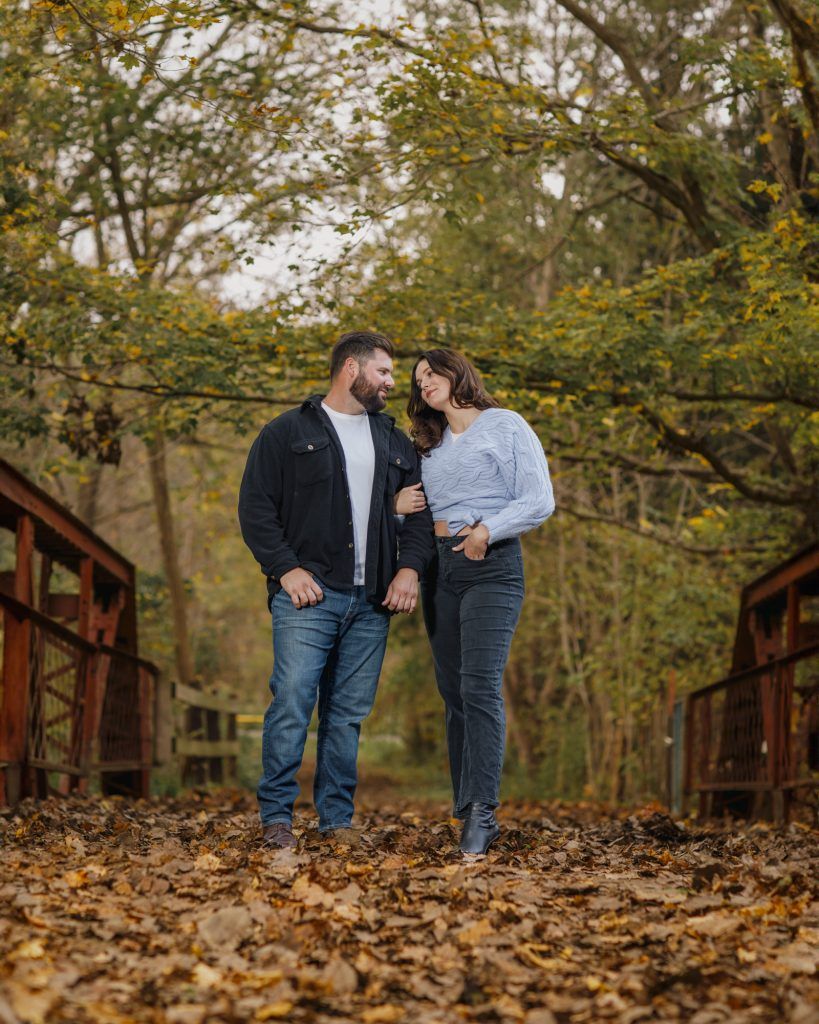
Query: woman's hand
410, 499
475, 543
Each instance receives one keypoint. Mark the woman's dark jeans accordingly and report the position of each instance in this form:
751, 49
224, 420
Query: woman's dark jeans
471, 609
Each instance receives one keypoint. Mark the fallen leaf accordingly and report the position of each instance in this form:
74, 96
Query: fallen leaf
387, 1014
358, 870
206, 976
473, 932
274, 1011
340, 978
33, 949
714, 925
207, 862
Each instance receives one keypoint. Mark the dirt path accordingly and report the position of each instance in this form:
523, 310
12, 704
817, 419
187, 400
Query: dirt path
169, 912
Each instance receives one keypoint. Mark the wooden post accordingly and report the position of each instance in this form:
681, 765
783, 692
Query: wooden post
705, 755
163, 722
668, 732
792, 626
767, 690
232, 735
92, 710
146, 706
688, 767
14, 710
24, 568
45, 584
215, 765
17, 671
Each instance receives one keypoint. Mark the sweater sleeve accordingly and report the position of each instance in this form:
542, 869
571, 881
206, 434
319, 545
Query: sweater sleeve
259, 502
526, 472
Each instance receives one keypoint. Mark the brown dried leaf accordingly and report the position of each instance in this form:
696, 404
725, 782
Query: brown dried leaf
715, 925
227, 928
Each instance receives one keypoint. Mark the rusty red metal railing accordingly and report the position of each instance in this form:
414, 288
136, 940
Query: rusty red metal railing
88, 709
749, 736
75, 698
48, 723
124, 736
752, 739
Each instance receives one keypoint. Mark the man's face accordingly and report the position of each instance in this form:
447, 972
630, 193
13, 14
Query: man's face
373, 382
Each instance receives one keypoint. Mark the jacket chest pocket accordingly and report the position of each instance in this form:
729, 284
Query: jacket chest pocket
398, 467
313, 460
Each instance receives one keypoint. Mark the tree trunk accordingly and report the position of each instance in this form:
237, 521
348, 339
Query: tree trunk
170, 558
88, 496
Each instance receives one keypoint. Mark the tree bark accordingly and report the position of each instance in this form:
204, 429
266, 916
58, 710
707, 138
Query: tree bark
170, 558
88, 496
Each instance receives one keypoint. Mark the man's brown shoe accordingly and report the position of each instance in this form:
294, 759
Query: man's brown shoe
279, 835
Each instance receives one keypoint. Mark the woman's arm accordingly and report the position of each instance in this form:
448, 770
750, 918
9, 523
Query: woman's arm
409, 499
524, 467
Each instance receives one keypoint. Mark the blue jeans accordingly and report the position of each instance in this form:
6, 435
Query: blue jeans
331, 653
471, 609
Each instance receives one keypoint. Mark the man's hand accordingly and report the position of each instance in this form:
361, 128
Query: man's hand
402, 593
474, 544
301, 588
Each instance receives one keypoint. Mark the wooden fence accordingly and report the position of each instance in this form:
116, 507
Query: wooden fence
206, 740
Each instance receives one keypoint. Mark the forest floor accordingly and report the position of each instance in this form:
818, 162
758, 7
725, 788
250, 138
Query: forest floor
116, 911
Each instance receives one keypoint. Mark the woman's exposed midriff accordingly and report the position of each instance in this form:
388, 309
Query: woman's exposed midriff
442, 529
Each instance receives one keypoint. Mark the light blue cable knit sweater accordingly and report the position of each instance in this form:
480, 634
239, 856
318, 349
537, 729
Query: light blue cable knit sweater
495, 473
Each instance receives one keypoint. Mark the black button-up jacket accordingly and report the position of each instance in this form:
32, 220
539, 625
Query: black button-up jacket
294, 503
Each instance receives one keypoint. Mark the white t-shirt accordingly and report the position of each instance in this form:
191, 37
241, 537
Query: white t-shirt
359, 455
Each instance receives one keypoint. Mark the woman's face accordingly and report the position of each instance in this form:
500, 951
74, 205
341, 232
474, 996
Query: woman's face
434, 388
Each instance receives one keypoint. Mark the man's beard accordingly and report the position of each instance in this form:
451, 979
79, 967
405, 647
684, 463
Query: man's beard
369, 395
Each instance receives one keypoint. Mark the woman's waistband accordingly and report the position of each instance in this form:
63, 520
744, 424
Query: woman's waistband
445, 543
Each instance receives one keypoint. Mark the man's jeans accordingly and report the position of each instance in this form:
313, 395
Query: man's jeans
330, 652
471, 609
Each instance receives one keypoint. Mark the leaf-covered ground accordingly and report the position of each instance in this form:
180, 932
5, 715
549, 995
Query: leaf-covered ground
169, 911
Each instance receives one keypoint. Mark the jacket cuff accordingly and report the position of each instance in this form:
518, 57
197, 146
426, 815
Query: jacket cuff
411, 563
280, 568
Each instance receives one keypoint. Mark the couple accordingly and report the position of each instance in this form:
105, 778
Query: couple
331, 507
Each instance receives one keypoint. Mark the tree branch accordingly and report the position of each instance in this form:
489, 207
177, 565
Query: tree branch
795, 497
666, 541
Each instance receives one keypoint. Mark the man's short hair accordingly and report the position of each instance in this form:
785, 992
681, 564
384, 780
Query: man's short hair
361, 346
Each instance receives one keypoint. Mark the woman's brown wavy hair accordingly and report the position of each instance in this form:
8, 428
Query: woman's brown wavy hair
466, 392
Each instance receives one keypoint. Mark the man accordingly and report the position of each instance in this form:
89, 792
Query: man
316, 510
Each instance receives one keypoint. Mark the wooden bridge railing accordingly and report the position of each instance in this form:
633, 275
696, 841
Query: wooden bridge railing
206, 740
755, 733
70, 708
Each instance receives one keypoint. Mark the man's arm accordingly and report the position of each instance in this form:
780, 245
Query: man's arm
260, 498
416, 545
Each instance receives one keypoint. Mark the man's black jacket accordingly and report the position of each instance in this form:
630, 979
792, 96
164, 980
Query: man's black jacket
294, 503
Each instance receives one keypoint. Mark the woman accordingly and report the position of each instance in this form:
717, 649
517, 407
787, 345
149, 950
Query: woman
486, 482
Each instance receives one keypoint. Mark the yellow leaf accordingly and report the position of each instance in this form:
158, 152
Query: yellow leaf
274, 1011
206, 977
33, 949
387, 1014
474, 932
358, 870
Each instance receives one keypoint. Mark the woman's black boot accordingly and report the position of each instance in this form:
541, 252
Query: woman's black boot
480, 829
